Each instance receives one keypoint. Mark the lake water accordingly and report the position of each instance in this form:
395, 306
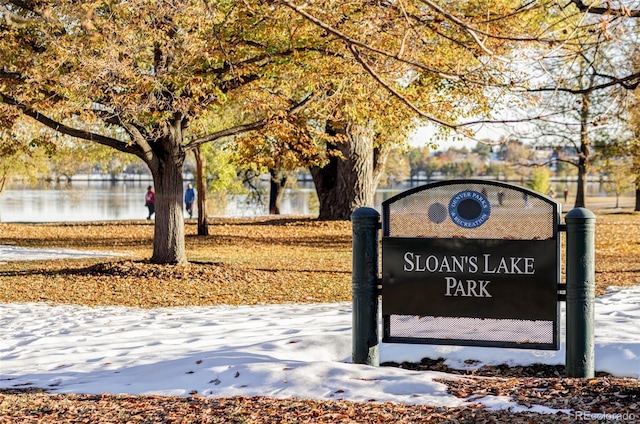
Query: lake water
124, 200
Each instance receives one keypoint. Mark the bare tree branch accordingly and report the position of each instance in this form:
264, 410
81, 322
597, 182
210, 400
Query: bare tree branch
239, 129
630, 82
465, 27
64, 129
11, 75
26, 5
622, 11
399, 96
350, 41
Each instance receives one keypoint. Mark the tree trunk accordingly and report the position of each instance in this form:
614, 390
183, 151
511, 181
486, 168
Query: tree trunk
583, 154
580, 191
349, 182
637, 208
201, 192
3, 179
166, 166
277, 183
168, 240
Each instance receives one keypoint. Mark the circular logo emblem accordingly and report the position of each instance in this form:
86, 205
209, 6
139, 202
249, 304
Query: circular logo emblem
469, 209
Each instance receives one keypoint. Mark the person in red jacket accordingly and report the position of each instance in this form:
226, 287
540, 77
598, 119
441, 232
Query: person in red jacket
150, 201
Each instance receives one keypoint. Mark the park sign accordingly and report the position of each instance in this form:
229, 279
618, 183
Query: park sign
471, 262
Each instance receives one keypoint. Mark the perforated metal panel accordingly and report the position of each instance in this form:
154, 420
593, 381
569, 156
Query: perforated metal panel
471, 262
519, 332
515, 213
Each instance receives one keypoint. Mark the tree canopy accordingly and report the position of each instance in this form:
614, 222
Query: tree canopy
143, 77
147, 77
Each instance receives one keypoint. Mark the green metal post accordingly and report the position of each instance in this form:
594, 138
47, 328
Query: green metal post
365, 224
580, 292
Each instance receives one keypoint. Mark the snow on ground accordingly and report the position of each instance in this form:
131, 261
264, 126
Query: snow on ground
15, 253
294, 350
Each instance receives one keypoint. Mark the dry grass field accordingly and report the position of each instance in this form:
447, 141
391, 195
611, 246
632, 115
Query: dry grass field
269, 260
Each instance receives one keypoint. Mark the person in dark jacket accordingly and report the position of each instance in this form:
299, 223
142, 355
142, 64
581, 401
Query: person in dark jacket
189, 198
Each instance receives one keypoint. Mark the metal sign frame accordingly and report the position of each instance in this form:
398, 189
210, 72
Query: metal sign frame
471, 262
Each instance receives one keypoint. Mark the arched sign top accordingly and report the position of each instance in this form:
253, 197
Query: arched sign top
478, 209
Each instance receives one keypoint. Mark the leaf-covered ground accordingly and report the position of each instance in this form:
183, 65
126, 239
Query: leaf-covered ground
251, 261
41, 408
240, 262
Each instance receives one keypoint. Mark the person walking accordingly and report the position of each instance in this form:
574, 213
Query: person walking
501, 197
150, 201
189, 198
